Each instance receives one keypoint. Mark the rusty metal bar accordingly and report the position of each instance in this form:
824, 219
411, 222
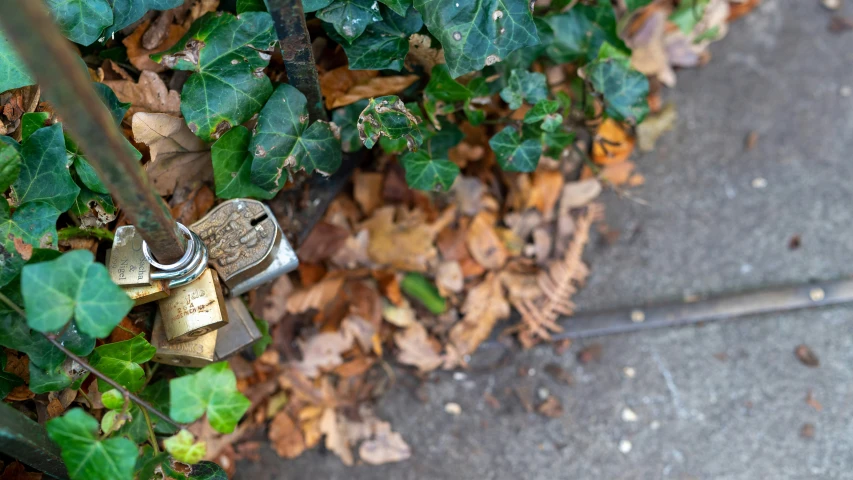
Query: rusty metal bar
724, 307
27, 442
295, 44
57, 67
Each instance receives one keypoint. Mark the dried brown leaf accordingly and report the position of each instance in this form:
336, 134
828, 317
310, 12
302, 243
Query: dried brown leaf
406, 245
367, 190
342, 86
484, 243
323, 352
179, 159
416, 349
139, 55
285, 436
484, 306
149, 94
385, 447
322, 243
545, 190
315, 297
421, 53
578, 194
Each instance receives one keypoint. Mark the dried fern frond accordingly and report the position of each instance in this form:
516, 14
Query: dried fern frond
558, 284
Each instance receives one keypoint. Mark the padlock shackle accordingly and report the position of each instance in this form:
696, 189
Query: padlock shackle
48, 55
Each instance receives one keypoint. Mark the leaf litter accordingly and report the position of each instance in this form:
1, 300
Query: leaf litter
496, 242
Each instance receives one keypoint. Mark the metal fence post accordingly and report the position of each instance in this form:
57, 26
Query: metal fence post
49, 56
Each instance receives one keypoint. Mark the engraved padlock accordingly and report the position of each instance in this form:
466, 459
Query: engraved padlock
156, 290
194, 309
246, 244
241, 332
127, 264
197, 352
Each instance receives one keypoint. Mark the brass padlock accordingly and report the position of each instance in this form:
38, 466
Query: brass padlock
246, 244
196, 352
194, 309
241, 331
141, 295
127, 264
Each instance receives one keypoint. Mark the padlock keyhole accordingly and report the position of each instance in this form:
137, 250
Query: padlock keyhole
256, 221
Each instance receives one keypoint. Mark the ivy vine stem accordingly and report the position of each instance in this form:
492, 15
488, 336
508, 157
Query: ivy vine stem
94, 371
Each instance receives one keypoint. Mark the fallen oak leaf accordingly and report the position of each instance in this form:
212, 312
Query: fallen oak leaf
385, 447
323, 351
286, 438
179, 159
342, 86
139, 56
315, 297
484, 243
416, 348
403, 246
148, 94
484, 306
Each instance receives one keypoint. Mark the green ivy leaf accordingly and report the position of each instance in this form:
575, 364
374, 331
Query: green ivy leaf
284, 140
513, 154
441, 93
346, 119
10, 164
184, 448
350, 17
575, 37
437, 143
207, 471
8, 381
624, 89
32, 224
545, 111
232, 166
476, 33
157, 395
388, 117
87, 457
384, 44
48, 380
398, 6
116, 107
212, 390
30, 122
261, 345
314, 5
688, 14
425, 173
44, 173
601, 13
80, 288
112, 399
244, 6
125, 12
82, 21
228, 55
15, 334
150, 466
524, 85
120, 361
13, 73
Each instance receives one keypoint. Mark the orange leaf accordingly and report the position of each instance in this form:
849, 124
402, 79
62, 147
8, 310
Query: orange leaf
612, 143
343, 86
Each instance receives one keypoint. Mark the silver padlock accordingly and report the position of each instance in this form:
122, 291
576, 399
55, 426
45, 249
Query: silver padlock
246, 244
241, 332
